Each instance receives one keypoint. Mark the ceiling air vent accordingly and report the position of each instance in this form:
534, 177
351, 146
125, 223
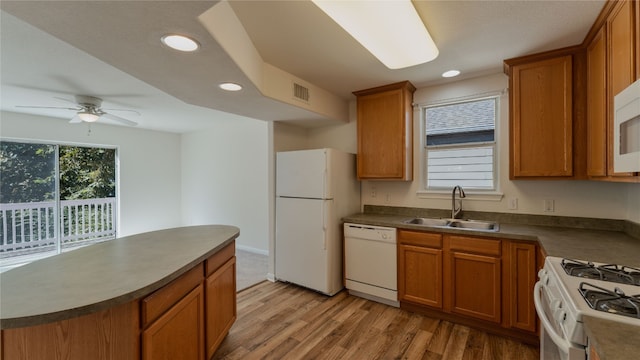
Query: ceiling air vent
300, 92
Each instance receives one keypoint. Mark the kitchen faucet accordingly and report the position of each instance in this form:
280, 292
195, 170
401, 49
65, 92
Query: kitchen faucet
456, 213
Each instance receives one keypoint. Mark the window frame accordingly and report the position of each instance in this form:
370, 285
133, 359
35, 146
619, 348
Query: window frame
472, 193
8, 262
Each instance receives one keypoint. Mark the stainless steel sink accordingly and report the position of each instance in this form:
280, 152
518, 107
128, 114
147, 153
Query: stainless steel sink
456, 223
428, 222
474, 225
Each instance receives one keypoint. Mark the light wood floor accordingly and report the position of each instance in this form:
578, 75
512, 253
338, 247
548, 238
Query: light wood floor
283, 321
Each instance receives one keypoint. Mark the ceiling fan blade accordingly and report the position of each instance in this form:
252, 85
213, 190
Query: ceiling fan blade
127, 110
65, 100
47, 107
119, 119
75, 120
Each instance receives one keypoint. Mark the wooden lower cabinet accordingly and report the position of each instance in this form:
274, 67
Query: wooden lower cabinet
420, 280
522, 275
179, 332
477, 281
475, 286
221, 309
186, 319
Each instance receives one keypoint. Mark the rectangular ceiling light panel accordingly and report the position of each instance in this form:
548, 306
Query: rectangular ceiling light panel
391, 30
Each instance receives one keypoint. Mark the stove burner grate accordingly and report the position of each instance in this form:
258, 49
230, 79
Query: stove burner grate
609, 272
614, 302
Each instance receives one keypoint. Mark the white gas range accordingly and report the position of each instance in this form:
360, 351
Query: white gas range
569, 289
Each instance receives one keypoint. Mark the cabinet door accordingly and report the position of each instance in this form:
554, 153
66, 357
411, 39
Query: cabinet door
475, 286
420, 275
221, 304
522, 276
541, 118
385, 132
621, 50
179, 332
597, 105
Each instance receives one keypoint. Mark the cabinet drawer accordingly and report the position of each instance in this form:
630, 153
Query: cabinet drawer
432, 240
474, 245
218, 259
160, 301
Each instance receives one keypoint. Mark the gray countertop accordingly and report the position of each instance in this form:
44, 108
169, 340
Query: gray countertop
611, 339
104, 275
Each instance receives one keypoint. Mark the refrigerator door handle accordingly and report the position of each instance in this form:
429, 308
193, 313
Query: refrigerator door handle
324, 224
324, 184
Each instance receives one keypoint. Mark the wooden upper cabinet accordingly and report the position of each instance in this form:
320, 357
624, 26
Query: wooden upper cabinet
621, 46
385, 128
597, 105
541, 118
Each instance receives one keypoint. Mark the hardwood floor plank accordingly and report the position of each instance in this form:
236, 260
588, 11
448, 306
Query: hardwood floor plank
454, 350
284, 321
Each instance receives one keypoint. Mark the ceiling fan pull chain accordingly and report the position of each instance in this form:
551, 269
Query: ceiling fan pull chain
89, 131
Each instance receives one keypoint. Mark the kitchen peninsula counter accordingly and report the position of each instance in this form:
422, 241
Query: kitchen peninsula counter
105, 275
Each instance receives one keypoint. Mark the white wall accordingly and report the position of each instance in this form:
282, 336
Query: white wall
572, 198
149, 165
225, 179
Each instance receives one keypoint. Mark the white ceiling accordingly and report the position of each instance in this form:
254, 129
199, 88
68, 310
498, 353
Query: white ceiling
111, 49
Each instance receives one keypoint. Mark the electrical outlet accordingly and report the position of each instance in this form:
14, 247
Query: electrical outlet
512, 203
374, 192
549, 205
388, 198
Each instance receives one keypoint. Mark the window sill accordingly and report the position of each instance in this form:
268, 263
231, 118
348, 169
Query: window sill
470, 195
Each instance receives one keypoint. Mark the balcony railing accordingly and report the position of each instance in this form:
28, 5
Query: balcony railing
33, 227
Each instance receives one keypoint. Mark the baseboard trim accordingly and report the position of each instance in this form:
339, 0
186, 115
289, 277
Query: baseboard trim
252, 249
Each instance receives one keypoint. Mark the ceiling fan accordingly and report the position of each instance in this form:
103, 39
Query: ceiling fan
88, 110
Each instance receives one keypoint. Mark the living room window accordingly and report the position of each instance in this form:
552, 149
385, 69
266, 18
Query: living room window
460, 145
55, 197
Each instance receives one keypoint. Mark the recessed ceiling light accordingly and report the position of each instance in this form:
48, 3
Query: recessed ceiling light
180, 42
450, 73
230, 86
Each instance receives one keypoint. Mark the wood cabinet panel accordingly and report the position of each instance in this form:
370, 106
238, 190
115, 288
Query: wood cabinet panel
420, 275
221, 309
474, 245
541, 119
106, 335
475, 286
178, 333
385, 128
597, 105
160, 301
522, 278
408, 237
621, 64
220, 258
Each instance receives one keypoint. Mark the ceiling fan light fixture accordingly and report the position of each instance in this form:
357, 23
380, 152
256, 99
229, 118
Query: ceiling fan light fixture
88, 116
391, 30
180, 42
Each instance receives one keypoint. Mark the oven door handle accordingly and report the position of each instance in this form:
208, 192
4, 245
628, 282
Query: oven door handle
563, 344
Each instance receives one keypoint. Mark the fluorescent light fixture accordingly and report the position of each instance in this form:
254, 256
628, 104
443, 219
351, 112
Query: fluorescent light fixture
88, 116
391, 30
230, 86
450, 73
180, 43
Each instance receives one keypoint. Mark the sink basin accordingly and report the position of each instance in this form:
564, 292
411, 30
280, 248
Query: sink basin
428, 222
456, 223
474, 225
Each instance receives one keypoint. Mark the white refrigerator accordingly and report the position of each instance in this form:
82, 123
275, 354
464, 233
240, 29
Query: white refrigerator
315, 189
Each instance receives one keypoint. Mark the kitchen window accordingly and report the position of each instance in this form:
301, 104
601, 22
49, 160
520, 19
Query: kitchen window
460, 145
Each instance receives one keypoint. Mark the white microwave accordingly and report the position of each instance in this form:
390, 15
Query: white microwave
626, 129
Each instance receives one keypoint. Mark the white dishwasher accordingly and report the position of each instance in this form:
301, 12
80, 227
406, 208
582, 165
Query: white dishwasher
371, 262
